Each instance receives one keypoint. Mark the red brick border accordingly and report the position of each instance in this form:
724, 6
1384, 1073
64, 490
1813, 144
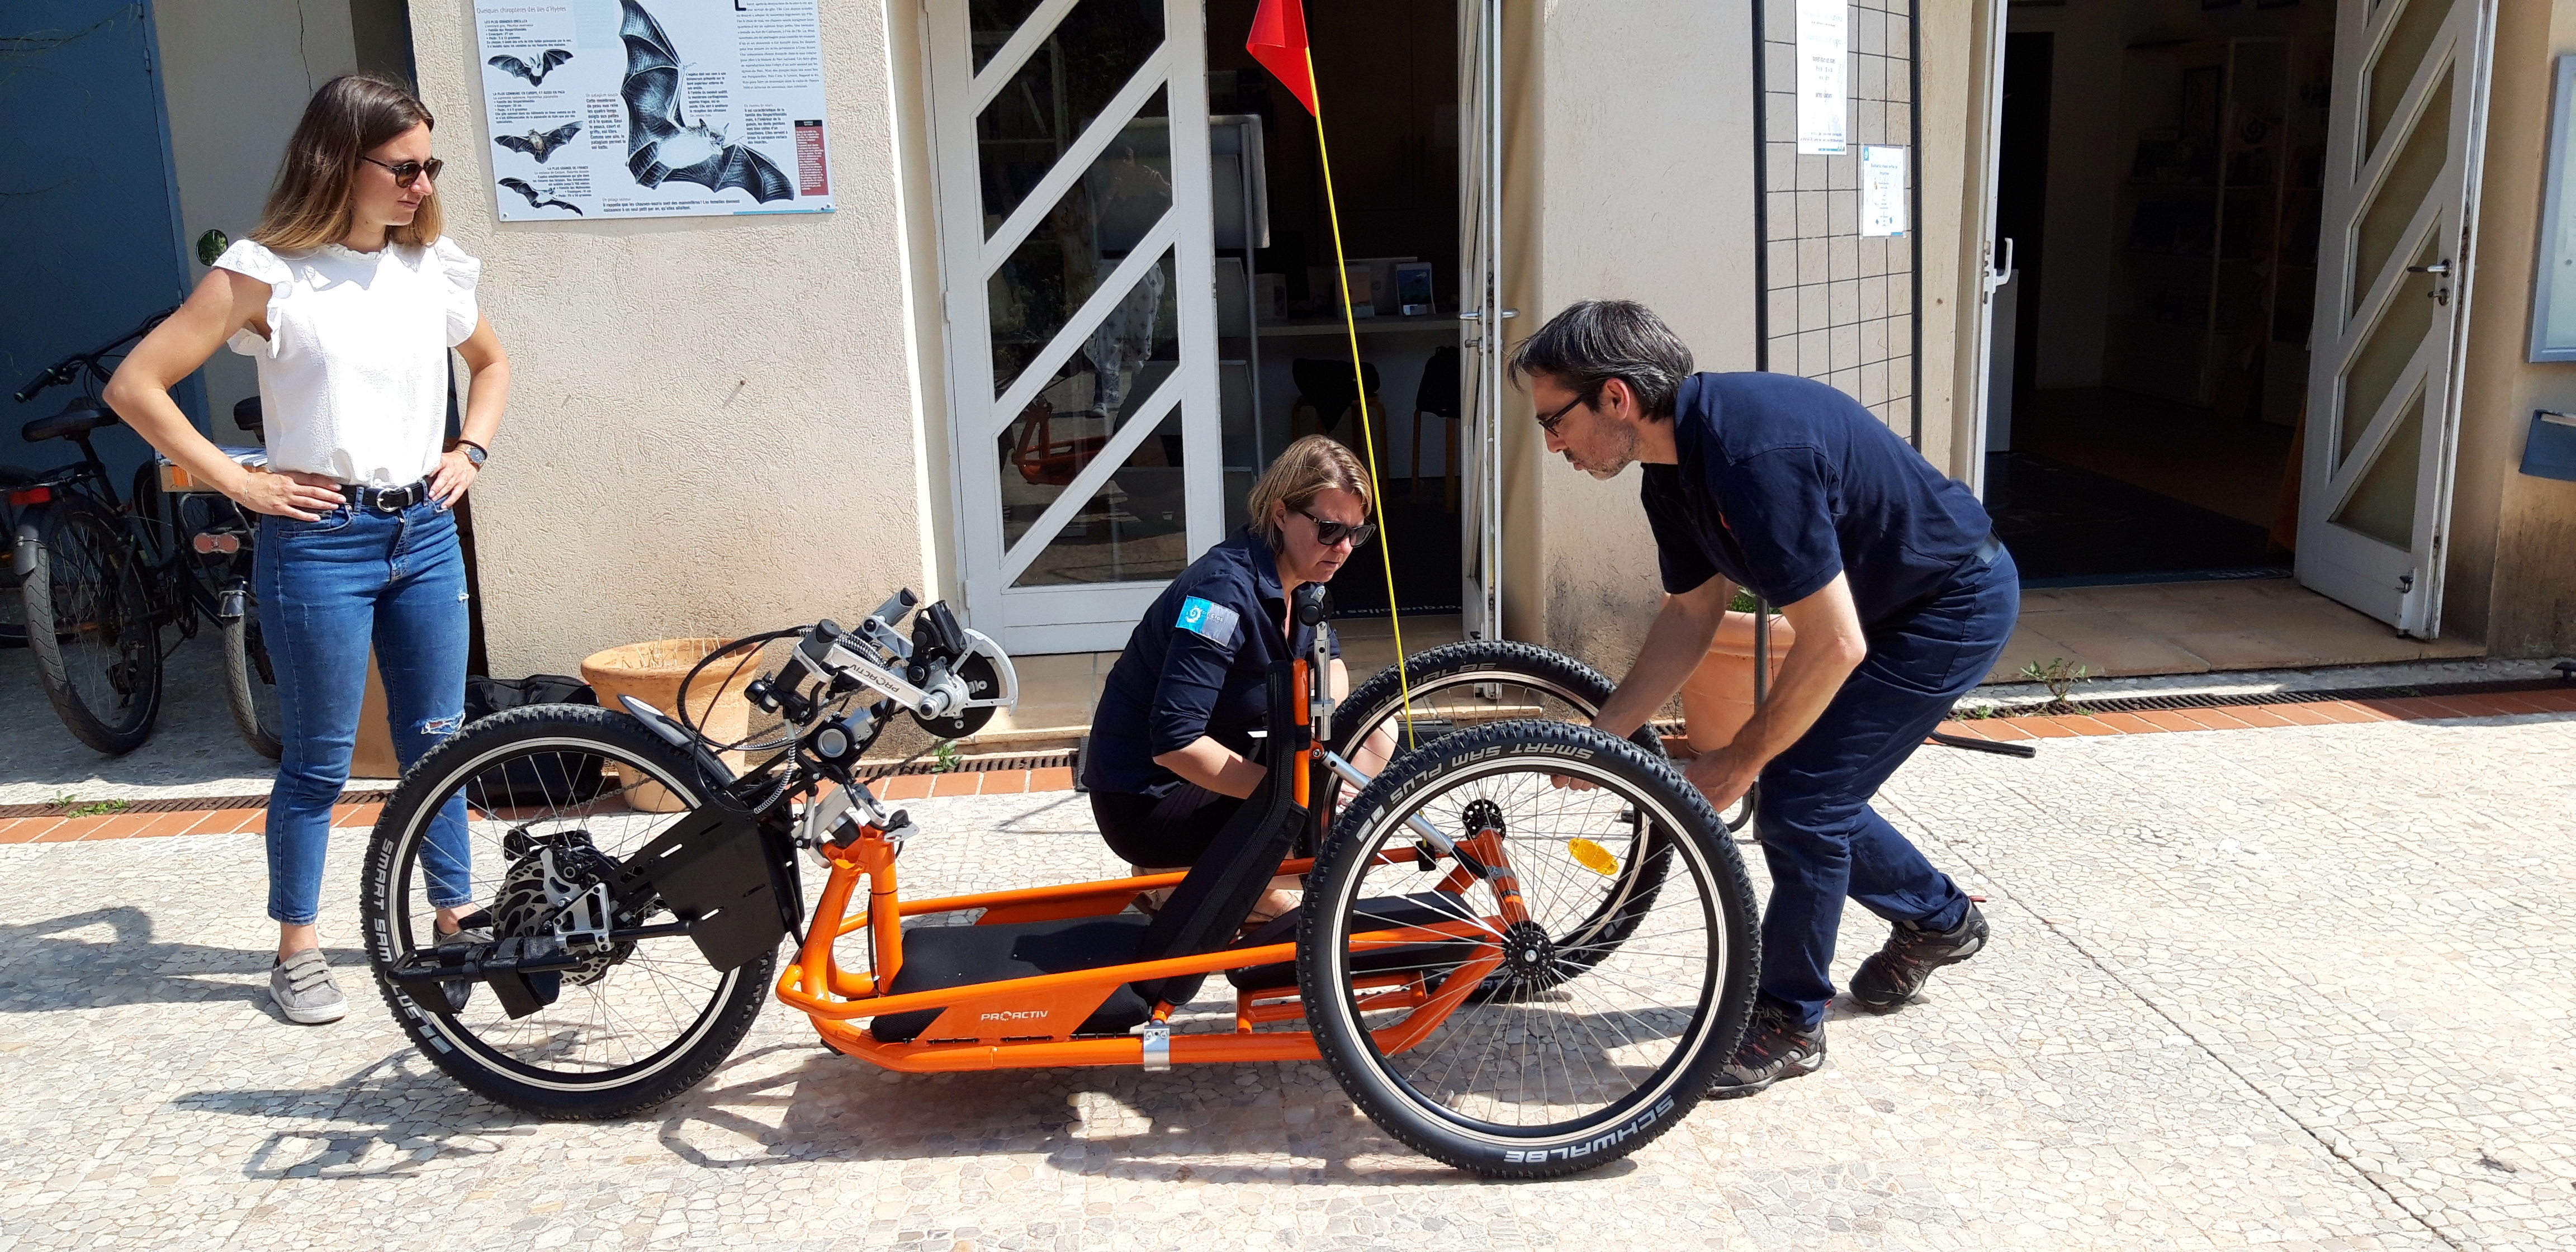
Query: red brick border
2013, 729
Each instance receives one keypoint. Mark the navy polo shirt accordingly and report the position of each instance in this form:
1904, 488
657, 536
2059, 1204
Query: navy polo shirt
1198, 664
1785, 482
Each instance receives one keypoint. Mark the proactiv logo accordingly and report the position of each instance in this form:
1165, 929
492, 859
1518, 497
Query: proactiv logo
1016, 1015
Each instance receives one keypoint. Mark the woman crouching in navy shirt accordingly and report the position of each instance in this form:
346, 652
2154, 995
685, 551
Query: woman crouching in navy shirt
1171, 743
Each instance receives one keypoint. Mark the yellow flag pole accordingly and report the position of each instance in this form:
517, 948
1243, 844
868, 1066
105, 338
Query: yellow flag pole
1359, 388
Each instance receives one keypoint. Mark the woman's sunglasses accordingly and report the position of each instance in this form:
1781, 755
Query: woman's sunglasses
405, 172
1330, 533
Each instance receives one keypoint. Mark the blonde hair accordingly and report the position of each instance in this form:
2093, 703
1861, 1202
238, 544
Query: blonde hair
1309, 468
310, 205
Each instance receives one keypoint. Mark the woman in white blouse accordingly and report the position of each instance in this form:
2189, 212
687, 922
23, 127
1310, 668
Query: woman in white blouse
348, 298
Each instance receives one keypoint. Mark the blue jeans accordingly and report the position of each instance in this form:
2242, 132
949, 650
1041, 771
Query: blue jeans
1819, 836
327, 590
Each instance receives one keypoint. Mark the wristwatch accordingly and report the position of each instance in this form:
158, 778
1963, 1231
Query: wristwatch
474, 452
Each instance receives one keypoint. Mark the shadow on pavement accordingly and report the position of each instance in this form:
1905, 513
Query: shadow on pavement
44, 970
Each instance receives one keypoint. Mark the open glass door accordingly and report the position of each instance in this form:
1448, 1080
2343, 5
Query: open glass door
1994, 257
1076, 245
2401, 179
1481, 315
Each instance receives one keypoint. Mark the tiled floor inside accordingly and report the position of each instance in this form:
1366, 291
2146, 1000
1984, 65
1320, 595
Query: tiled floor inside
2204, 627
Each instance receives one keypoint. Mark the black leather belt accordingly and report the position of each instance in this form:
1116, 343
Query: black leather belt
384, 499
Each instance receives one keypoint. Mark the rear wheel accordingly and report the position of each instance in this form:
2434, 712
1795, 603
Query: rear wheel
250, 682
1442, 1000
98, 650
504, 821
1480, 682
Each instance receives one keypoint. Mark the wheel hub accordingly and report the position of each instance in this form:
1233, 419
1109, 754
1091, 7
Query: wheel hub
547, 871
1529, 954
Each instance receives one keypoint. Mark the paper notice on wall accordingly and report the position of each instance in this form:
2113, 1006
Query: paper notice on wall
1882, 191
1824, 75
653, 108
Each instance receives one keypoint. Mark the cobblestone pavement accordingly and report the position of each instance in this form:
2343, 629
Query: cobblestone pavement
2303, 987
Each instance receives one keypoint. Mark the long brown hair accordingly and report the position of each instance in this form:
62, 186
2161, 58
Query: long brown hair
1309, 468
351, 115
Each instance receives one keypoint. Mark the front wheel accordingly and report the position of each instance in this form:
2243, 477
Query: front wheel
1466, 1013
89, 622
502, 824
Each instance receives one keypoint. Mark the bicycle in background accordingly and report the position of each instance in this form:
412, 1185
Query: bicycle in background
98, 577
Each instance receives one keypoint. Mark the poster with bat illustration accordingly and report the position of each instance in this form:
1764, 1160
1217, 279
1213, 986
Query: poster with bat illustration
653, 108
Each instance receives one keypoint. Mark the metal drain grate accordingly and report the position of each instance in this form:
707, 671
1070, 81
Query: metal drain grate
183, 804
2214, 700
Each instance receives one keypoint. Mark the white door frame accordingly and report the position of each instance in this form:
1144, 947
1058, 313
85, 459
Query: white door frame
1481, 315
1090, 617
2402, 587
1987, 274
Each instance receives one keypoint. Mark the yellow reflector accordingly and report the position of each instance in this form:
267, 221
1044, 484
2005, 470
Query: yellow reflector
1592, 856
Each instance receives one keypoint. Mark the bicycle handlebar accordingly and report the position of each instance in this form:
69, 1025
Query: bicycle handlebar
63, 371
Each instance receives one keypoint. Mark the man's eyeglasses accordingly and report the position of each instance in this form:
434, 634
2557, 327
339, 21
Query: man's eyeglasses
1330, 533
405, 172
1548, 423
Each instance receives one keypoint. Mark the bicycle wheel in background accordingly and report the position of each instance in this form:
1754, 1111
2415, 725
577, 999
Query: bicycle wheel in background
98, 650
535, 804
250, 680
13, 604
1558, 1057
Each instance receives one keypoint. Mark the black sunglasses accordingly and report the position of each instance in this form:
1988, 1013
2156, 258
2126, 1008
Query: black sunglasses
405, 172
1548, 423
1330, 533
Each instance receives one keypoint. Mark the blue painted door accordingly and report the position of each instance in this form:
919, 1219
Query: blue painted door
89, 232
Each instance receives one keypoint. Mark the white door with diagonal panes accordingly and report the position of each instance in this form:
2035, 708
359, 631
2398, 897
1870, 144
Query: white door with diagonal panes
2401, 180
1078, 279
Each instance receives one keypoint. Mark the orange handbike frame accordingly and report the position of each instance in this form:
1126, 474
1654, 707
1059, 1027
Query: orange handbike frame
1025, 1023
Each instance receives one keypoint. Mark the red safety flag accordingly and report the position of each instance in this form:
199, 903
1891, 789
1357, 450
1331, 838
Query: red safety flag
1278, 41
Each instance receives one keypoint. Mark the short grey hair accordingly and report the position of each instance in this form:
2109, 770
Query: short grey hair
1594, 341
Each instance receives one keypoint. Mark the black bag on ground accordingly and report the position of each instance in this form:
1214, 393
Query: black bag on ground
546, 780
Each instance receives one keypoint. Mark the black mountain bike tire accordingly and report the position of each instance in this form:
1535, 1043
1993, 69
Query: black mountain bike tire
1583, 689
248, 669
115, 588
386, 903
1708, 1010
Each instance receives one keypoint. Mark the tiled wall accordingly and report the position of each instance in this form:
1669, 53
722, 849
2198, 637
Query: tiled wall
1841, 308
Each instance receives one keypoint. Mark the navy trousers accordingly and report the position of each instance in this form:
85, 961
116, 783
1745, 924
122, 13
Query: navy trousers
1819, 835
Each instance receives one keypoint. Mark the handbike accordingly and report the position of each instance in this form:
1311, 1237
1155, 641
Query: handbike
1451, 964
99, 577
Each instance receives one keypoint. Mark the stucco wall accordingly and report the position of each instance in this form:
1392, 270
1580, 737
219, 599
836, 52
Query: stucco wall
236, 76
714, 426
2512, 565
1632, 178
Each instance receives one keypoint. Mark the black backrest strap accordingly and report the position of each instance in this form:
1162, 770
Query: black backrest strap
1210, 905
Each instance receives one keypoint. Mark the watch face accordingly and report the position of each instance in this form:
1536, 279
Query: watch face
475, 455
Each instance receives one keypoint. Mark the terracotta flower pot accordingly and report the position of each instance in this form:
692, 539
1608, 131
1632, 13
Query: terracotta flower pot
651, 672
1718, 698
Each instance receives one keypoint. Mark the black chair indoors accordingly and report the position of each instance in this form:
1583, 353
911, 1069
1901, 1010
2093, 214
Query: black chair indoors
1324, 390
1437, 396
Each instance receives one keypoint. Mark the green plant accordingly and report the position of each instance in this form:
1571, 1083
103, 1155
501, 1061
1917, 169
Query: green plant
64, 799
2059, 675
1974, 712
945, 757
1744, 602
97, 808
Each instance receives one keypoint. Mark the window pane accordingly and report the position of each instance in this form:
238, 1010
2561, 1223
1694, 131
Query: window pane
1057, 93
1097, 223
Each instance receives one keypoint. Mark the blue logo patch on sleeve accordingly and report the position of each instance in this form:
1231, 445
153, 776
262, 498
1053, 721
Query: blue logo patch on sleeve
1215, 621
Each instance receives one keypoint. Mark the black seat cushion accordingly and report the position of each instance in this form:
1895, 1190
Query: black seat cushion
938, 957
1414, 910
77, 420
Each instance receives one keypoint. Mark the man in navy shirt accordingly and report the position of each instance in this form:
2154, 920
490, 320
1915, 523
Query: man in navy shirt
1900, 598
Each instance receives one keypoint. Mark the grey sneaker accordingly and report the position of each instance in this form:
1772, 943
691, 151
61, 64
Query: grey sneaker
301, 984
473, 928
